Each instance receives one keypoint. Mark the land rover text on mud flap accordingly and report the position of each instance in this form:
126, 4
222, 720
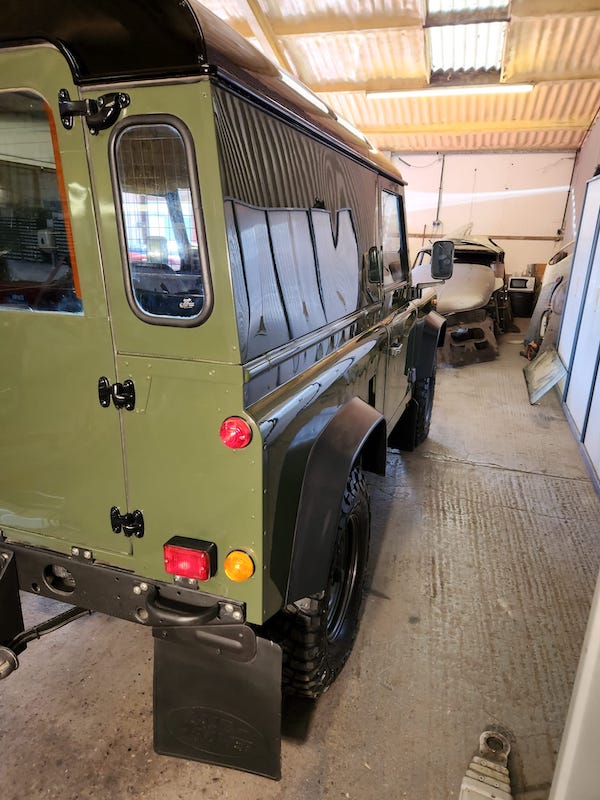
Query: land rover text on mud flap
208, 331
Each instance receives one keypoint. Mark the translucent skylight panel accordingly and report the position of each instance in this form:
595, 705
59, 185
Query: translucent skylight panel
475, 46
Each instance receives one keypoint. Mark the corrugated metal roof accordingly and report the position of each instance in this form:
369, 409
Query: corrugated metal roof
550, 109
553, 48
344, 48
359, 10
349, 58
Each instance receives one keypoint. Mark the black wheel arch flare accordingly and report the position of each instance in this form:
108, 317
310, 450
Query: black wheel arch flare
356, 430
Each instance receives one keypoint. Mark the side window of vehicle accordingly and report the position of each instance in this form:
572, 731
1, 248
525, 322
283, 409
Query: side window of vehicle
37, 260
395, 257
161, 235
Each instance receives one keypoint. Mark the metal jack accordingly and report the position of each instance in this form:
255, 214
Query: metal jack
487, 777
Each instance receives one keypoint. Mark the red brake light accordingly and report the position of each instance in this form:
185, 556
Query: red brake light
190, 562
235, 433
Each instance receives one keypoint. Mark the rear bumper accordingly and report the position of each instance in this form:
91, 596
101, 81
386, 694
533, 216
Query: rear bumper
217, 685
116, 592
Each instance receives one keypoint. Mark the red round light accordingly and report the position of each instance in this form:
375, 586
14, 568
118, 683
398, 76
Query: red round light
235, 433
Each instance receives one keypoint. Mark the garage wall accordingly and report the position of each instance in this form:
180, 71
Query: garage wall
510, 194
587, 160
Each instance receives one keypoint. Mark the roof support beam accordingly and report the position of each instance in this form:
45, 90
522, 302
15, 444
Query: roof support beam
467, 17
322, 25
552, 8
261, 28
498, 126
539, 81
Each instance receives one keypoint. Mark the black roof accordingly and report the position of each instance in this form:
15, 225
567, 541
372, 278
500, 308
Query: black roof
116, 41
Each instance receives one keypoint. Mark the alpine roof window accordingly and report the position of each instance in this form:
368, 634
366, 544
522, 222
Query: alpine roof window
37, 258
160, 223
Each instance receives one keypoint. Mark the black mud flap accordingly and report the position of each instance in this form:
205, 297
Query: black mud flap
404, 434
11, 617
217, 697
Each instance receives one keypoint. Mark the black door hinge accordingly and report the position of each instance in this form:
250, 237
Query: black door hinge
122, 394
99, 114
130, 524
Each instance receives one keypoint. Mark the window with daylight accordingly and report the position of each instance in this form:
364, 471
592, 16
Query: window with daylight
37, 258
159, 227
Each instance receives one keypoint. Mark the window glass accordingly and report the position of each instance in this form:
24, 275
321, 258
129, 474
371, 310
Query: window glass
37, 263
161, 239
395, 259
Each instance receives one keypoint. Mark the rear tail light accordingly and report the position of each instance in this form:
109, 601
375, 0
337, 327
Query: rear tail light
235, 433
190, 558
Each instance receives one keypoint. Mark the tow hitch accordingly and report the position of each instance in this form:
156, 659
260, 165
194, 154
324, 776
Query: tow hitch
9, 652
13, 637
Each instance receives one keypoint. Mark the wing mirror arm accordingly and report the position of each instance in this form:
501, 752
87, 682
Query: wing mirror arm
417, 289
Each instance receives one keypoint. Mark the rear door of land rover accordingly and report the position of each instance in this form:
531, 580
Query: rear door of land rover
164, 244
61, 455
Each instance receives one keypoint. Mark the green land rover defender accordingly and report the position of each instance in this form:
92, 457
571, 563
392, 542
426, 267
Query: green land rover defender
208, 332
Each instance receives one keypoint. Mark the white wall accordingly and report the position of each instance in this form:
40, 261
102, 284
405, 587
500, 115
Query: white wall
25, 141
505, 194
587, 160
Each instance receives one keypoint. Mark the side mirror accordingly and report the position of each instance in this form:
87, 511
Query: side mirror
375, 266
442, 259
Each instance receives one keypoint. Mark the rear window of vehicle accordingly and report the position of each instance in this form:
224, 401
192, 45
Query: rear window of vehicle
37, 259
474, 257
161, 233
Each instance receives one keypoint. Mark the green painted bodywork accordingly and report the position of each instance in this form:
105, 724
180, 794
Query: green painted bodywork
72, 460
61, 453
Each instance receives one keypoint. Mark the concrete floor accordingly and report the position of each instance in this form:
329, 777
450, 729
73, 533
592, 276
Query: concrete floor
484, 556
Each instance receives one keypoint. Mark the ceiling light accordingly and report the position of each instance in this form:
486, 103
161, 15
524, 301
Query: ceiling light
450, 91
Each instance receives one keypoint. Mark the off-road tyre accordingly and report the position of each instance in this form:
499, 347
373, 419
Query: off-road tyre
316, 634
423, 392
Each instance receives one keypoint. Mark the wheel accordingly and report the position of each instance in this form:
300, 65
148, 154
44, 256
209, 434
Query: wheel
423, 392
316, 634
